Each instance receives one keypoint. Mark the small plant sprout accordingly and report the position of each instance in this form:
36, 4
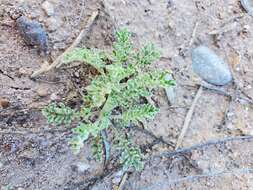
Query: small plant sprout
113, 101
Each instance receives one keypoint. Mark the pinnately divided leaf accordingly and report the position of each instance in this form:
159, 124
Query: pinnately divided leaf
59, 114
122, 46
147, 55
92, 57
139, 113
113, 100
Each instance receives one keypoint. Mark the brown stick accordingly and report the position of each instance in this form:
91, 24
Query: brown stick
188, 118
57, 62
241, 96
123, 181
193, 36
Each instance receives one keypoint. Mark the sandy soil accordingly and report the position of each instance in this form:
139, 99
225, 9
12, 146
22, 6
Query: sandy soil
36, 156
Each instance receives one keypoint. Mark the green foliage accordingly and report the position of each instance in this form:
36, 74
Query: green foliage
59, 114
147, 54
114, 95
123, 46
97, 148
92, 57
138, 113
131, 156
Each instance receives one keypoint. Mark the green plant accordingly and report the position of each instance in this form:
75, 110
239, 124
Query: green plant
114, 98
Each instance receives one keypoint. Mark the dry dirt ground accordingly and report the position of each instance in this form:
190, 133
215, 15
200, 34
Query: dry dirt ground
35, 156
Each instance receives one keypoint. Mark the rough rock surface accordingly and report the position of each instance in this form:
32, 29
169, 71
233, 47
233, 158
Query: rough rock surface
210, 67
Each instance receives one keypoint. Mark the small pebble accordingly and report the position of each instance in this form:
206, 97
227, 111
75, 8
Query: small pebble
4, 103
117, 177
42, 91
170, 91
25, 71
20, 188
210, 67
248, 6
80, 167
53, 23
48, 8
55, 97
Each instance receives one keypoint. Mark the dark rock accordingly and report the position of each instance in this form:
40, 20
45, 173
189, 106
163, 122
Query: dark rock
210, 67
33, 33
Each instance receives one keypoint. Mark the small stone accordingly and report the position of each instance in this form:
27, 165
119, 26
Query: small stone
80, 167
42, 91
4, 103
170, 91
29, 153
210, 67
116, 180
117, 177
25, 71
55, 97
248, 6
53, 23
48, 8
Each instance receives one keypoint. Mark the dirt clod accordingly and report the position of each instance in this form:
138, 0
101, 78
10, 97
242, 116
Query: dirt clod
4, 103
42, 91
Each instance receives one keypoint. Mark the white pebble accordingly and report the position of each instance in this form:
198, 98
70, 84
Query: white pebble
48, 8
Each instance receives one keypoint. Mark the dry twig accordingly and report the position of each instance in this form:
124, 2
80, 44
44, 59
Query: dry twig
123, 181
193, 36
57, 62
202, 146
188, 118
242, 95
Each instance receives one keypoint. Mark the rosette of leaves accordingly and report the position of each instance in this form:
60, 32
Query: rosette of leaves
114, 96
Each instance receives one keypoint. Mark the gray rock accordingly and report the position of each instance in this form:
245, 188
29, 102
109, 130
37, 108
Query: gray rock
248, 6
210, 67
